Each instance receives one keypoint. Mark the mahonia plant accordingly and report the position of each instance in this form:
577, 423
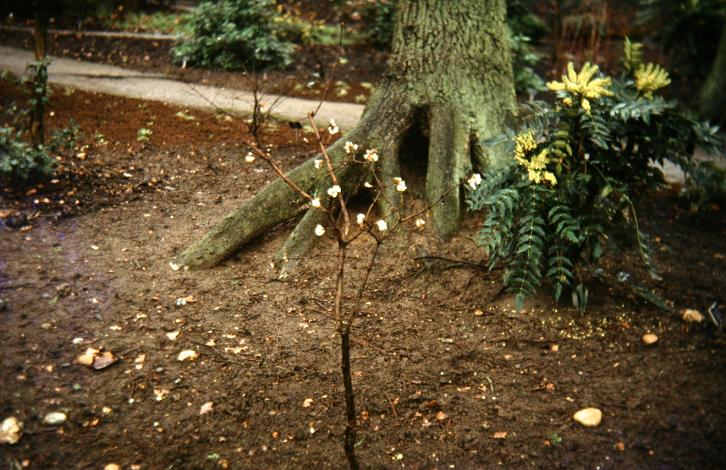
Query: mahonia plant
576, 168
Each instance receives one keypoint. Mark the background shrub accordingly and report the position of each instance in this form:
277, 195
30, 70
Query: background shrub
234, 35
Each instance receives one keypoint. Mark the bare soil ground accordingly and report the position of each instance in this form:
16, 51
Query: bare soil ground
438, 386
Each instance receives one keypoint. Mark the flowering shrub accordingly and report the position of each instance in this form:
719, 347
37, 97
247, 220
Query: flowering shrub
576, 167
235, 34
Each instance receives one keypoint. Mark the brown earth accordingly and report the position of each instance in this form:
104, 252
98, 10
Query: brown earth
437, 385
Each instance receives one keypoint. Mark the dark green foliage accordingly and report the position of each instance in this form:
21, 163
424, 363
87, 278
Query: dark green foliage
524, 59
379, 19
235, 35
19, 162
66, 138
689, 30
568, 191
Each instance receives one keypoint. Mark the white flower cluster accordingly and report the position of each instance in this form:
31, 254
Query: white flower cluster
371, 155
334, 190
400, 184
333, 128
474, 180
249, 158
350, 147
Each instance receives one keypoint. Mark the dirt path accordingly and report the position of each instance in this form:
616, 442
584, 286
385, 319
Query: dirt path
112, 80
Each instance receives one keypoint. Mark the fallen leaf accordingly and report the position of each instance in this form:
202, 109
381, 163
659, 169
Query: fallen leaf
10, 430
103, 360
160, 393
114, 328
87, 357
478, 312
206, 408
500, 435
441, 416
307, 402
112, 466
189, 354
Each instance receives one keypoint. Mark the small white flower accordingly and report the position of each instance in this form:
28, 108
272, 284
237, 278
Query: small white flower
315, 202
420, 223
367, 185
249, 158
400, 184
319, 230
334, 190
350, 147
474, 180
318, 163
382, 225
360, 218
371, 155
333, 129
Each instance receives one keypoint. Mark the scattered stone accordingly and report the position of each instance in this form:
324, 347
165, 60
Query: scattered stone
500, 435
187, 354
112, 466
478, 312
588, 417
649, 338
206, 408
690, 315
554, 347
172, 335
10, 430
55, 418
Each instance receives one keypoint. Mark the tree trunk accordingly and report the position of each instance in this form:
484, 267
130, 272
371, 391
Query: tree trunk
450, 65
712, 100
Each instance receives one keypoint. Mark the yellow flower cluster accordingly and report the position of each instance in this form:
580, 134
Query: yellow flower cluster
649, 78
537, 166
582, 84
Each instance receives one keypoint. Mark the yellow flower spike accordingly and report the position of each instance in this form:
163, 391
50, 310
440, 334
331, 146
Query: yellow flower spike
649, 78
582, 84
585, 105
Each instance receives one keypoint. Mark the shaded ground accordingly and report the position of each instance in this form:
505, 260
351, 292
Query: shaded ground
434, 380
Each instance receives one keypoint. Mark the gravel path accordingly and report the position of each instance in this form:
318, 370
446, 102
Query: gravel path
89, 76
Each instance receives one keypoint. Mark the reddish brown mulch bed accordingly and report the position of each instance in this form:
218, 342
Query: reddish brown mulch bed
438, 385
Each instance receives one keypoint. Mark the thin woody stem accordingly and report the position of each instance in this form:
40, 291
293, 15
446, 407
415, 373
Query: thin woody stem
333, 178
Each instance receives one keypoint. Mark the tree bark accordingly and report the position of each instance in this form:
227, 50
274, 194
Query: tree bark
712, 100
450, 63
